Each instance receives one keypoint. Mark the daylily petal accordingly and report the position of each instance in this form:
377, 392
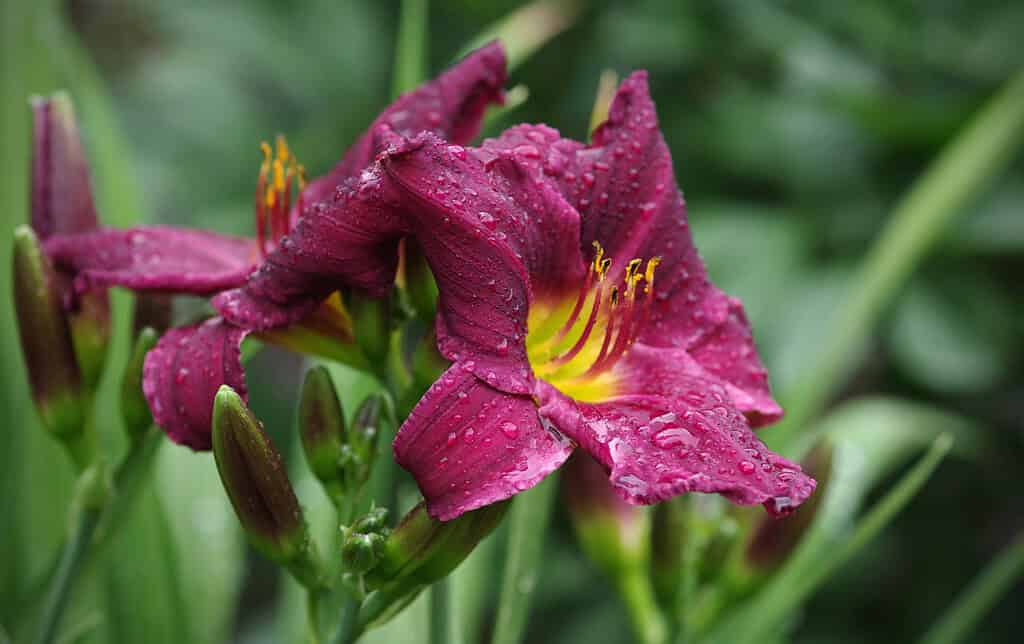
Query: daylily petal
61, 193
451, 106
685, 435
182, 373
469, 445
473, 234
351, 241
153, 258
540, 148
668, 372
727, 350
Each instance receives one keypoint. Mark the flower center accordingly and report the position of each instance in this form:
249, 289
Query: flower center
274, 193
574, 342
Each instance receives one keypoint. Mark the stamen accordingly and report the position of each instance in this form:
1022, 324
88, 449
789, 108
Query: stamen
274, 193
570, 354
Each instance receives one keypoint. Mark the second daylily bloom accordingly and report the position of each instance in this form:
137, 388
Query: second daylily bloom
572, 303
189, 364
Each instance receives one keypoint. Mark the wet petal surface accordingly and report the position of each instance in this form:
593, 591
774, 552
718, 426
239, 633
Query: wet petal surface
153, 258
469, 445
182, 374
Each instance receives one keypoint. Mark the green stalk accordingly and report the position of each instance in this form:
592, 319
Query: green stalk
410, 46
964, 168
528, 522
960, 620
71, 561
441, 631
648, 622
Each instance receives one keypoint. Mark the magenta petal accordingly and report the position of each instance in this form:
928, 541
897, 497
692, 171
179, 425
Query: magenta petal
352, 241
153, 258
473, 234
726, 349
61, 193
451, 106
542, 149
182, 373
469, 445
656, 447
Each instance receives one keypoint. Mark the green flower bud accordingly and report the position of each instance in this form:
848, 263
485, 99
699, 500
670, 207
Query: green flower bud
373, 521
422, 550
371, 322
46, 343
322, 427
773, 539
134, 409
360, 552
256, 481
362, 439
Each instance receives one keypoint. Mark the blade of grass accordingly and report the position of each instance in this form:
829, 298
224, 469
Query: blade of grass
999, 576
527, 29
528, 522
411, 51
964, 168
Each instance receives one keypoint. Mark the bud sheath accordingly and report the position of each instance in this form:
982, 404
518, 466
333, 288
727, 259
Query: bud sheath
46, 339
321, 425
256, 481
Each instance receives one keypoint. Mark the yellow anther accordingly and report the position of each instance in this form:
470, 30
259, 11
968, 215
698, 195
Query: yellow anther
652, 264
301, 170
278, 175
282, 148
271, 197
267, 152
602, 268
630, 278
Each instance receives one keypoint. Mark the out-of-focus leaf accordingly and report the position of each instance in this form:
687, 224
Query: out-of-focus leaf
144, 601
205, 535
953, 339
997, 226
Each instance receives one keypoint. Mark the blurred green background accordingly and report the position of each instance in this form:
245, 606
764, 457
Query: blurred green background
795, 128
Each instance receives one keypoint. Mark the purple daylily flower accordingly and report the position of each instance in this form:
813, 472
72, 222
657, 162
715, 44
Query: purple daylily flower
545, 253
184, 371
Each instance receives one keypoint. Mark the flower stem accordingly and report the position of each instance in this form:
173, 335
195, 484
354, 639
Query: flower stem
441, 631
71, 560
648, 622
979, 597
348, 625
528, 522
963, 169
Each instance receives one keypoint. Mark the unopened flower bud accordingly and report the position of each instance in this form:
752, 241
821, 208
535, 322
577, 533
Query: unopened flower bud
360, 552
62, 203
616, 537
371, 322
255, 479
322, 427
46, 340
134, 409
613, 533
373, 521
422, 550
362, 438
773, 539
